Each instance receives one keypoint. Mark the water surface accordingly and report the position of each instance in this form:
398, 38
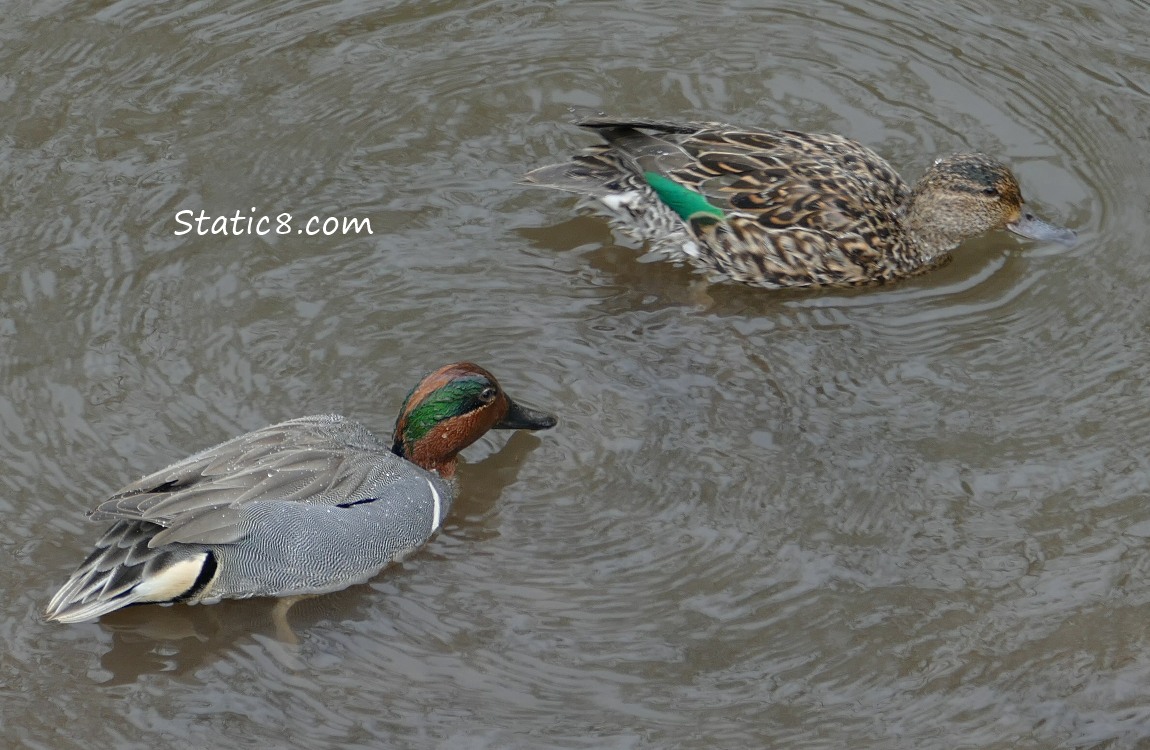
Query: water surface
907, 517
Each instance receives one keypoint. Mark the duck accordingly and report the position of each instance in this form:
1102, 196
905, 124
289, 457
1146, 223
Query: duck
304, 507
783, 209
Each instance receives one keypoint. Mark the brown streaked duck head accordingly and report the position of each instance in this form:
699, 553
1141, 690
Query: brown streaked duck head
452, 408
965, 195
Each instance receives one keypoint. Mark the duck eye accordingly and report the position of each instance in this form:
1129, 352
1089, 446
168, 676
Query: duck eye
488, 394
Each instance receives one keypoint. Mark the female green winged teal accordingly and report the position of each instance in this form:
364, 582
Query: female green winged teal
307, 506
782, 209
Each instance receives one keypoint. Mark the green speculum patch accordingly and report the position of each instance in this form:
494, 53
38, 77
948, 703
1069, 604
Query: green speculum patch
446, 402
682, 200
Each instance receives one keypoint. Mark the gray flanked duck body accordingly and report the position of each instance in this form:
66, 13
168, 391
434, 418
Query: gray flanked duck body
307, 506
784, 209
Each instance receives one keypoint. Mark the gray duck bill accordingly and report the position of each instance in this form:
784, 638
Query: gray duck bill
1032, 227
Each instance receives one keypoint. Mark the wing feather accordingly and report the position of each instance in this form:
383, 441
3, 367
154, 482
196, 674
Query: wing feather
322, 460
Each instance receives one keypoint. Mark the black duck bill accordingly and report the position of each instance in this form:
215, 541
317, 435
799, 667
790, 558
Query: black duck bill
521, 418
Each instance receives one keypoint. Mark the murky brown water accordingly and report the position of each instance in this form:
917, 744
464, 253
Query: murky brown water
914, 517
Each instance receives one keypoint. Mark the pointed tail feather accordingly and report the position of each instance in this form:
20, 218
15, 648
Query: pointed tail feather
575, 177
629, 152
123, 570
600, 121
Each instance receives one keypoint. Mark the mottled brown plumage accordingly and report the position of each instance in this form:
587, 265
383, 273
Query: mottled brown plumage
786, 209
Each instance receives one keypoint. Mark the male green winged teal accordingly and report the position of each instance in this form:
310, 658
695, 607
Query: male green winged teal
307, 506
781, 209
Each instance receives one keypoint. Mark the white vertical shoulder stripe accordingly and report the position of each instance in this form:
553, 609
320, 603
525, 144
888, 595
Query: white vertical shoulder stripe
437, 509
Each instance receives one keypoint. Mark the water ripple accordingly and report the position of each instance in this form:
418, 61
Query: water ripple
876, 518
